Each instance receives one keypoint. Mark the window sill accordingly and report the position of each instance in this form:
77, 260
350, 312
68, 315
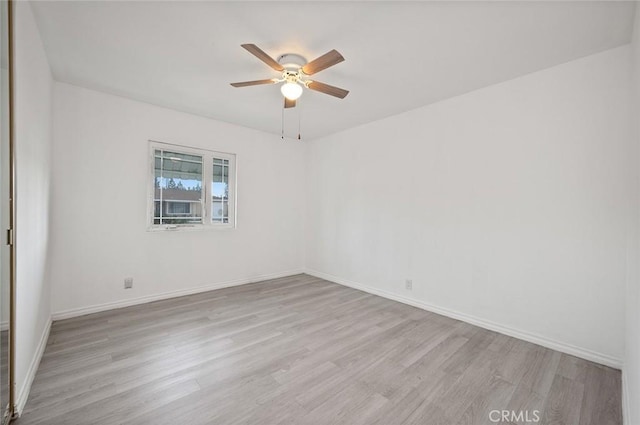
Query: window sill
194, 228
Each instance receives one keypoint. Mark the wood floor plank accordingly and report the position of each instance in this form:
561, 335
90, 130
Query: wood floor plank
495, 398
602, 391
300, 350
563, 403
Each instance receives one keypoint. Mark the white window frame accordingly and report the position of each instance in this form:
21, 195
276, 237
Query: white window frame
207, 178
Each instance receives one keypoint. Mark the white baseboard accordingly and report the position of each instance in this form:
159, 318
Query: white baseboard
24, 389
486, 324
75, 312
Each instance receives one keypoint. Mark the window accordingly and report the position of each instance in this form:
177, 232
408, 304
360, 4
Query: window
220, 191
191, 188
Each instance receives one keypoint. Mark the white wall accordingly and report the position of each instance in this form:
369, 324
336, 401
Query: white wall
631, 370
507, 206
33, 90
99, 209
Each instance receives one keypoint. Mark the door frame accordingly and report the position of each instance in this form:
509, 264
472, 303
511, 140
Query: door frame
11, 412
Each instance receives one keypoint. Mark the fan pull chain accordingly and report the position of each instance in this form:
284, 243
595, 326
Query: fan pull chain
282, 127
299, 118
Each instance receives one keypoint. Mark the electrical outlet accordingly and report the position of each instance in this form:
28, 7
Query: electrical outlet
408, 284
128, 282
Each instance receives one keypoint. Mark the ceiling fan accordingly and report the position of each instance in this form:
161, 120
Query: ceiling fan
295, 70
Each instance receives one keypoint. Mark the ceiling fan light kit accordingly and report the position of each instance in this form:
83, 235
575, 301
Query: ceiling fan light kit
291, 90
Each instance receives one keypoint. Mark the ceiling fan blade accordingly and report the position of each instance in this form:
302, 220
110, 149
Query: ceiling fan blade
327, 89
257, 52
288, 103
254, 83
323, 62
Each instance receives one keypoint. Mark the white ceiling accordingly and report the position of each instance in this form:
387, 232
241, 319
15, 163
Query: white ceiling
399, 55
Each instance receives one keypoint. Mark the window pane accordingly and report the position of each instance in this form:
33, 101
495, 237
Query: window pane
178, 188
220, 211
220, 191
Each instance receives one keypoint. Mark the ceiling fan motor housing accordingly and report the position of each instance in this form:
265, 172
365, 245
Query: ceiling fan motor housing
291, 61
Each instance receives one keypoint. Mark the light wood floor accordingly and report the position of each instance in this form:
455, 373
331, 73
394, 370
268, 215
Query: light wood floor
301, 350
